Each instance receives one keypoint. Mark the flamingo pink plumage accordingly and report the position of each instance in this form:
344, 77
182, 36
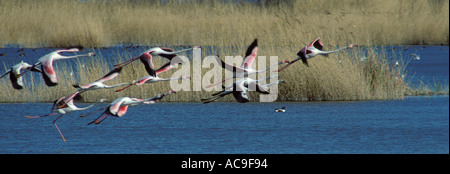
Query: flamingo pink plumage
46, 62
99, 84
240, 87
120, 106
152, 78
147, 57
245, 69
68, 107
311, 50
16, 80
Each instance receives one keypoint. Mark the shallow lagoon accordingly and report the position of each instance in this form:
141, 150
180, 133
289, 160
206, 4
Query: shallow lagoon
414, 125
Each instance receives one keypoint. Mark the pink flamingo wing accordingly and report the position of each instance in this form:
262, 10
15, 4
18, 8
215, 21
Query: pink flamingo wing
49, 74
250, 54
111, 75
68, 50
249, 59
143, 80
71, 96
48, 67
88, 85
122, 110
312, 43
229, 67
147, 60
316, 44
167, 49
164, 68
116, 106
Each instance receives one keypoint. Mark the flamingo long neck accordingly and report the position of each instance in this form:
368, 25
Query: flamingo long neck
183, 50
336, 50
273, 83
264, 70
87, 107
71, 57
116, 85
176, 78
126, 62
271, 77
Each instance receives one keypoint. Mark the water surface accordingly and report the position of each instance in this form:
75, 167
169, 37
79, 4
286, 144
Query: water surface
414, 125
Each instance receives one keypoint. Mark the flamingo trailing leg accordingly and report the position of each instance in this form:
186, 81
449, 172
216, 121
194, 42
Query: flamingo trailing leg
68, 108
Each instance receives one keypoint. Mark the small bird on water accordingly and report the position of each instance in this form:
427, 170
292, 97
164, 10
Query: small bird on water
282, 109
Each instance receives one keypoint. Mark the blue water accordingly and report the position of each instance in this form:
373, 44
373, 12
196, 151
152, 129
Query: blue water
414, 125
431, 68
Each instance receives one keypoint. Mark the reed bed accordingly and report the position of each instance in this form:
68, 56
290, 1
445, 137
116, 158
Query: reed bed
67, 23
282, 28
349, 75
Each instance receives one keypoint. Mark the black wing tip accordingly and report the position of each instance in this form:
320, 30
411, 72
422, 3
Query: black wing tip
76, 85
254, 44
305, 61
251, 47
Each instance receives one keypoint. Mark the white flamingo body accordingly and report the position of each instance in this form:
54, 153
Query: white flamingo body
153, 77
15, 78
99, 84
64, 106
246, 67
119, 107
46, 62
240, 87
72, 108
147, 57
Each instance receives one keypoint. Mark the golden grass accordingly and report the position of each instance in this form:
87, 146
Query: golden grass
281, 28
66, 23
338, 77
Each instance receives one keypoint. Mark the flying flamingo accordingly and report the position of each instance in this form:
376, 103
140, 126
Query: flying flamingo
313, 49
68, 108
240, 87
119, 107
16, 80
147, 56
245, 68
46, 63
98, 84
153, 77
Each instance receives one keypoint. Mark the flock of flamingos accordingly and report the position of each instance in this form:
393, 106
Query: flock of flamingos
118, 107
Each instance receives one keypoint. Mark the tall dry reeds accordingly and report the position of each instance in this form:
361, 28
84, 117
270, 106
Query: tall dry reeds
66, 23
282, 27
349, 75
